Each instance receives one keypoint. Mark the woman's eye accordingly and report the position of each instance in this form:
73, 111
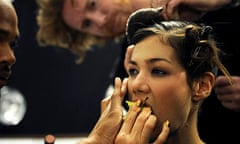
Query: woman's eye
158, 72
132, 72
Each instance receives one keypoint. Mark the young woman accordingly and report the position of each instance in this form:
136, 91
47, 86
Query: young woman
172, 67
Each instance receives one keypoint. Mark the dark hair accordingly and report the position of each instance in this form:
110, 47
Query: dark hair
194, 43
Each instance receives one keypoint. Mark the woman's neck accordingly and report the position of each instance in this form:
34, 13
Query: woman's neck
188, 134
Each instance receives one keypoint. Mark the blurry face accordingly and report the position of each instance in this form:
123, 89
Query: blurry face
104, 18
8, 34
154, 72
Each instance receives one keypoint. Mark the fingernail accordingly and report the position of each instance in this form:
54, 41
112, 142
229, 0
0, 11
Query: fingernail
147, 109
131, 46
166, 123
138, 102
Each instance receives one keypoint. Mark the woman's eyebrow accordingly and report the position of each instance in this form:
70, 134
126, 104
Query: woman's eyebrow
151, 60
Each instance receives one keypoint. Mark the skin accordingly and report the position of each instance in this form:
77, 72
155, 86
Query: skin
108, 18
229, 95
8, 34
191, 9
109, 124
111, 118
157, 74
104, 18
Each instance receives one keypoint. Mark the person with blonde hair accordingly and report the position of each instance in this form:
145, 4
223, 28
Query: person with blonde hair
79, 25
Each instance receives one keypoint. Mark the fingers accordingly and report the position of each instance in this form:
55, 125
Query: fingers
124, 88
138, 127
114, 102
229, 95
110, 120
148, 128
171, 9
130, 119
162, 138
120, 90
223, 81
232, 105
224, 90
105, 103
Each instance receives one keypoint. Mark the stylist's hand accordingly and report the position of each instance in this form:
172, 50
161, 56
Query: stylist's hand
229, 95
138, 126
191, 9
110, 120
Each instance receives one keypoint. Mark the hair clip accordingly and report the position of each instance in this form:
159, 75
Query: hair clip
194, 55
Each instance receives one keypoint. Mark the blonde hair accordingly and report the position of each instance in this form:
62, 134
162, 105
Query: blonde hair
53, 31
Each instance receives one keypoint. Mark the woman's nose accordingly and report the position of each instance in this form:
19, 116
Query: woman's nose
140, 84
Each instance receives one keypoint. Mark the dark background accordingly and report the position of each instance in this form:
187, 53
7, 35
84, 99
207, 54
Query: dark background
62, 97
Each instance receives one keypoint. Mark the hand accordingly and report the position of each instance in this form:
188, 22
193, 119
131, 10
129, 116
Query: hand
138, 126
110, 120
229, 95
191, 9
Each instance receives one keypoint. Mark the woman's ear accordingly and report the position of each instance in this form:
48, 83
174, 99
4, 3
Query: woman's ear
203, 87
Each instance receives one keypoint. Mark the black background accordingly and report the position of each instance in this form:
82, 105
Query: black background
62, 96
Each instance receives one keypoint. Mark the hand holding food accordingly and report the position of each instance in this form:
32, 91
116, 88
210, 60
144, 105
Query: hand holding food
138, 125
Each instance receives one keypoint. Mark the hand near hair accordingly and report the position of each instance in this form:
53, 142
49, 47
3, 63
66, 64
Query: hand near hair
191, 9
229, 95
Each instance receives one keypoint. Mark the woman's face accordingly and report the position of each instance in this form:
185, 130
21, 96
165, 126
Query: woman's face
104, 18
154, 72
